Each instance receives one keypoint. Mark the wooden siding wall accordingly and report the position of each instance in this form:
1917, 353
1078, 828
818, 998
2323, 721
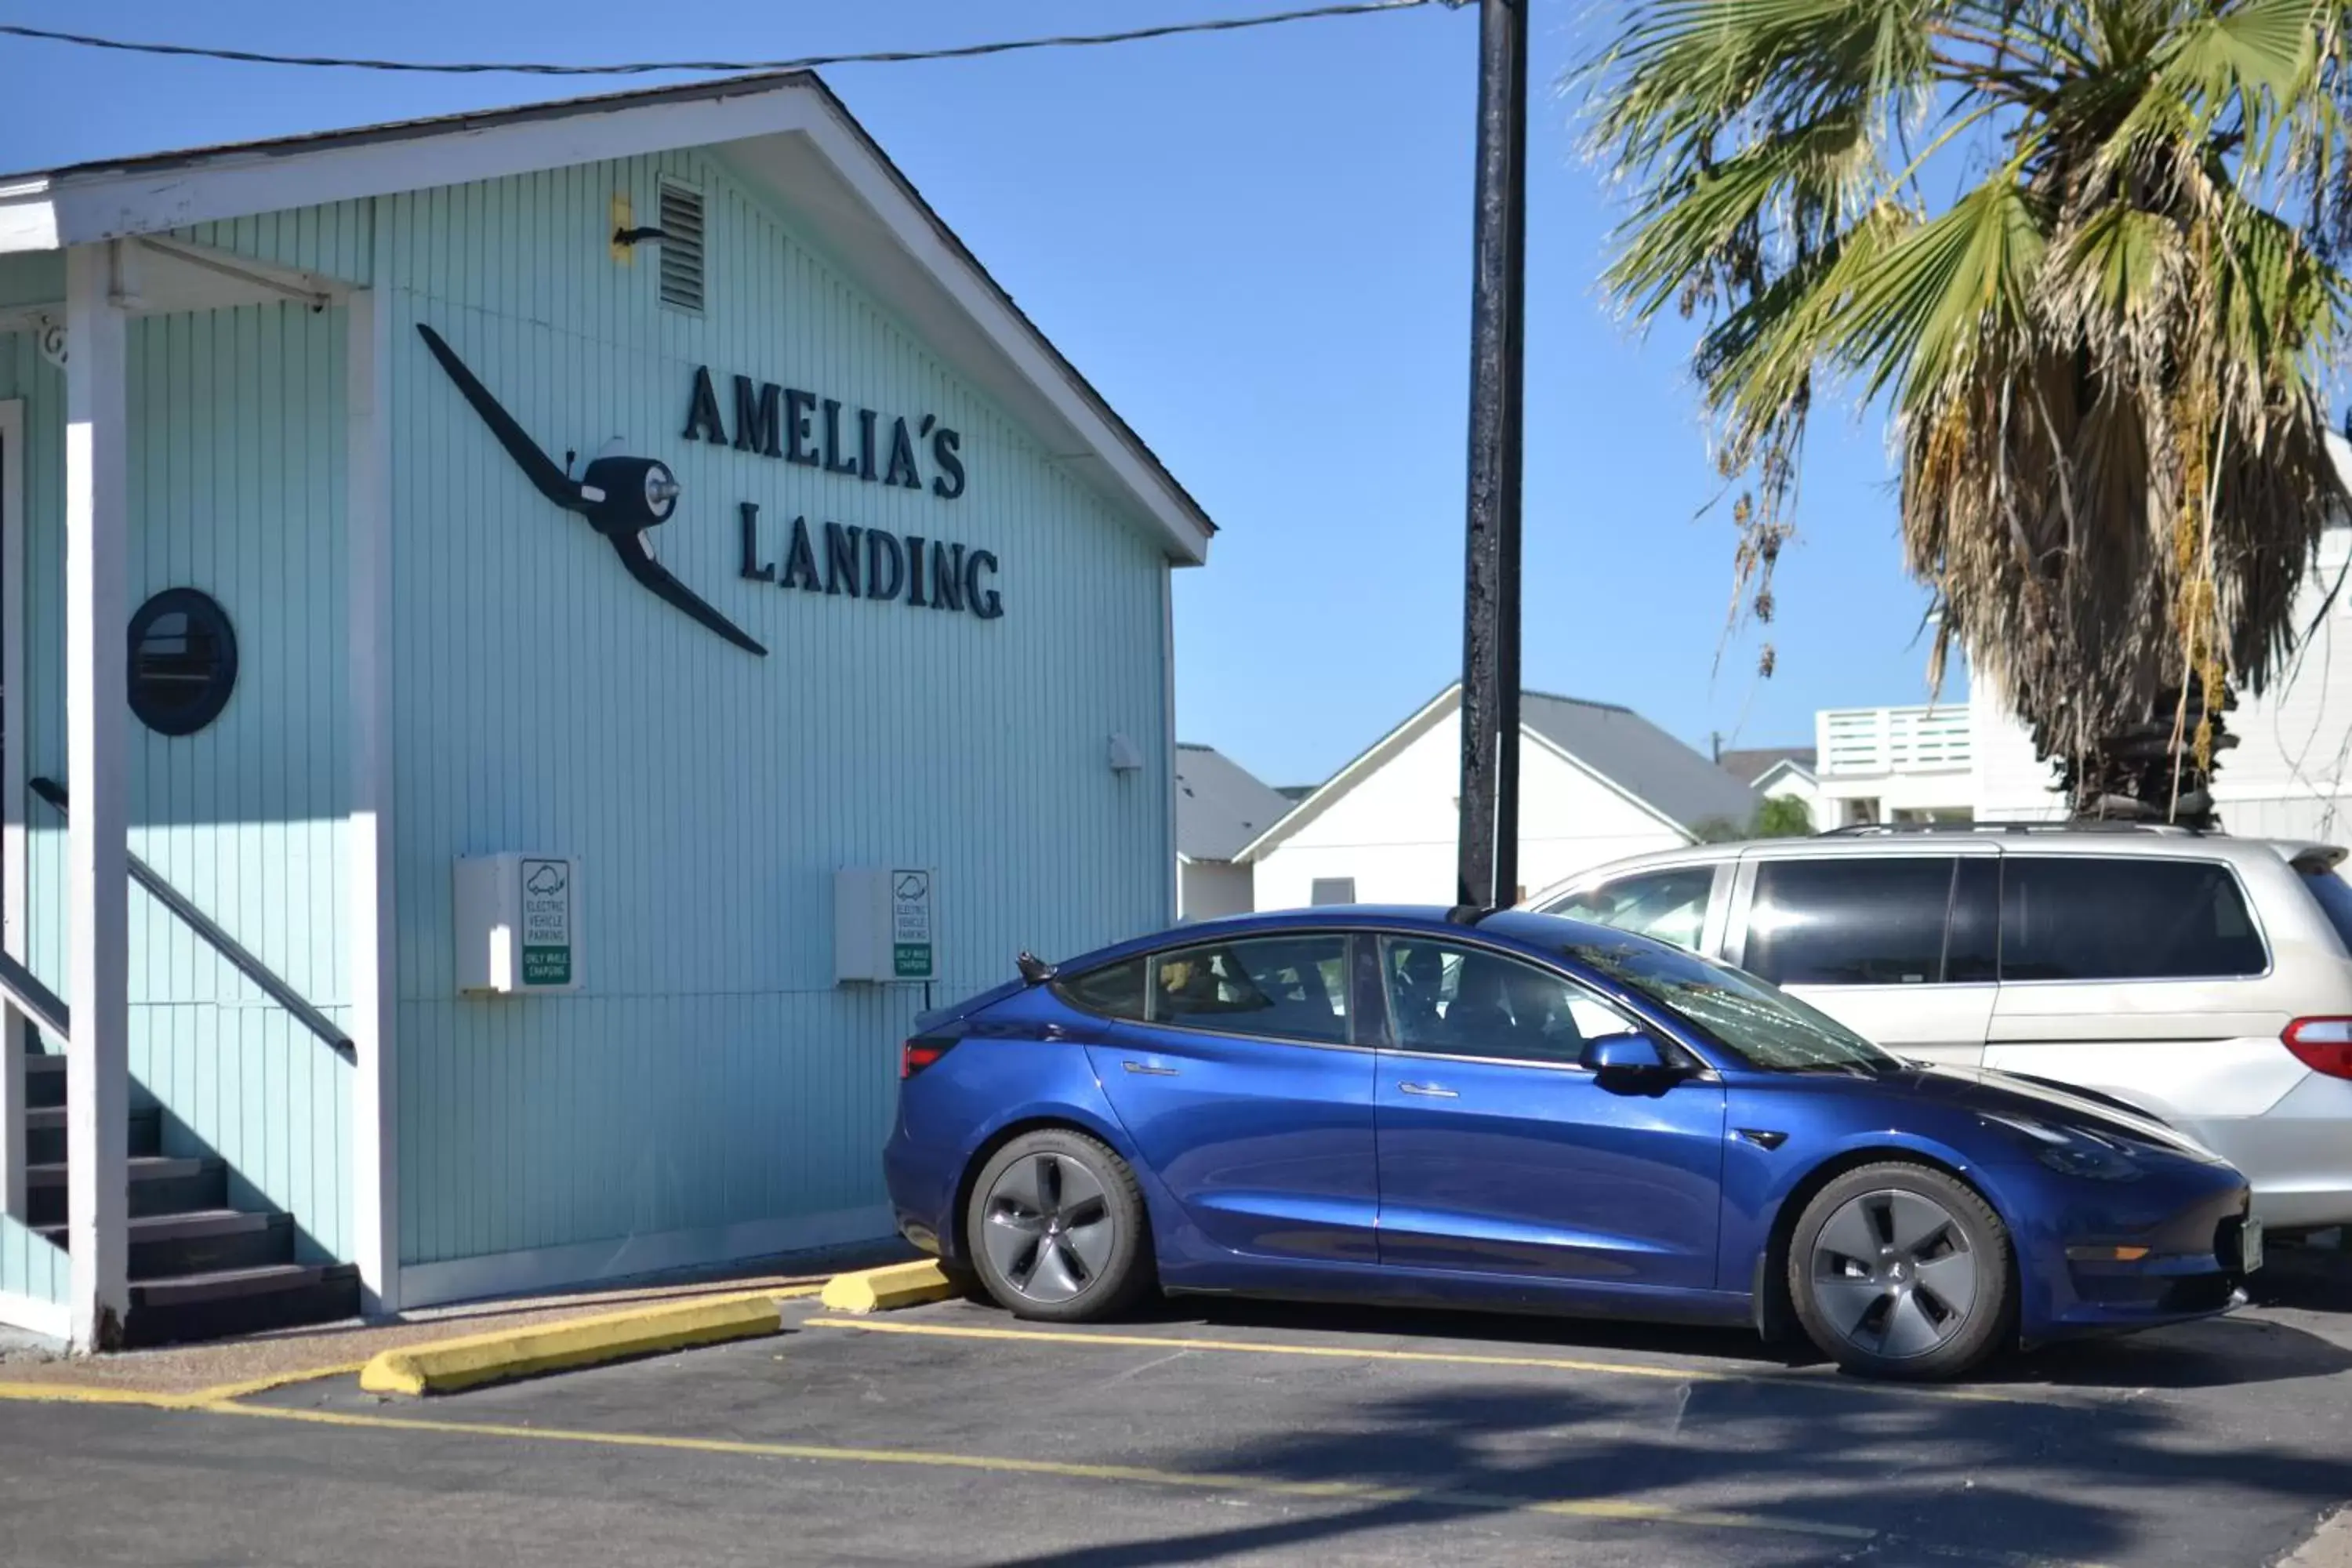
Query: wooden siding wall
236, 488
709, 1073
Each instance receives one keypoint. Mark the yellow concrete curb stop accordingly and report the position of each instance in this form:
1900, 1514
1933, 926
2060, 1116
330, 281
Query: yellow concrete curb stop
448, 1366
880, 1290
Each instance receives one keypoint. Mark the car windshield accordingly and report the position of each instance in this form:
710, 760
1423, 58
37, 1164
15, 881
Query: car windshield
1762, 1025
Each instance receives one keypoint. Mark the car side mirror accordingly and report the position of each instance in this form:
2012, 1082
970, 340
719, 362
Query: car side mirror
1630, 1061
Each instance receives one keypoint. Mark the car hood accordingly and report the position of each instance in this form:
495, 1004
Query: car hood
1986, 1091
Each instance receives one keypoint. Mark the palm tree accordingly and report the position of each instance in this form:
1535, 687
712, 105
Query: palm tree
2087, 255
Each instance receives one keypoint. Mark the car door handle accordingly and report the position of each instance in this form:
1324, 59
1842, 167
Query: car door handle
1430, 1091
1149, 1072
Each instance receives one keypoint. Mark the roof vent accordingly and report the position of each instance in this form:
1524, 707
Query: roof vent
681, 251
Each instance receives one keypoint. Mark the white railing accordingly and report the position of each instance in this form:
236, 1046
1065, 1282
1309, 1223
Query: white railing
1892, 740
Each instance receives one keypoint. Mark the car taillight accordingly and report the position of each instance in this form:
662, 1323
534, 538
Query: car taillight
919, 1053
2323, 1045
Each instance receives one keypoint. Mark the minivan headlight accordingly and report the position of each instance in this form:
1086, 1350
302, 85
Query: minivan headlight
2073, 1151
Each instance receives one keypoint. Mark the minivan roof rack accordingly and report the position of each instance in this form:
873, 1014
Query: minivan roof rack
2081, 824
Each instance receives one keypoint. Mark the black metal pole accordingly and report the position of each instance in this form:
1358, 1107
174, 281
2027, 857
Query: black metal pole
1489, 857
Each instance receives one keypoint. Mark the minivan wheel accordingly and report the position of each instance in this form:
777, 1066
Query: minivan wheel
1900, 1271
1057, 1230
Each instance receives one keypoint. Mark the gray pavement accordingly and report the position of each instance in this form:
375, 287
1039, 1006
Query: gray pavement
1244, 1434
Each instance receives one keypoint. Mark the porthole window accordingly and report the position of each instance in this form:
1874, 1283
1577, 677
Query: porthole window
183, 661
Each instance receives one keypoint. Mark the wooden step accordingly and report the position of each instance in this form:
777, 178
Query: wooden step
45, 1081
159, 1184
200, 1242
239, 1301
45, 1134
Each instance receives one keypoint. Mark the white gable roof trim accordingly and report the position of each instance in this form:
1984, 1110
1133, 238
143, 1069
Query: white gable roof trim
119, 199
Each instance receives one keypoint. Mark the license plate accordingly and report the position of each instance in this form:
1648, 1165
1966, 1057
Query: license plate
2249, 1245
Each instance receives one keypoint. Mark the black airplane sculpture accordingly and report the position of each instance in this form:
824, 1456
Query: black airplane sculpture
620, 497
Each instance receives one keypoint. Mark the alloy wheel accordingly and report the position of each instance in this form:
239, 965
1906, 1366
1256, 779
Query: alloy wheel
1892, 1274
1048, 1228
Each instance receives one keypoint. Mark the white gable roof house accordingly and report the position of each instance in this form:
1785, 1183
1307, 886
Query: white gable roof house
1597, 780
1220, 807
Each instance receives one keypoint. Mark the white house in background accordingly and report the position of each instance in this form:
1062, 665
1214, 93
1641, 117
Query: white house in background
1596, 781
1776, 773
1219, 808
1894, 764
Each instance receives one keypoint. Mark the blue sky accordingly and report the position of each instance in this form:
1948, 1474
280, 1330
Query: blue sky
1256, 245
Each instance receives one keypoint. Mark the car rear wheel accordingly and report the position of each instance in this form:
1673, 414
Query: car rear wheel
1900, 1271
1057, 1230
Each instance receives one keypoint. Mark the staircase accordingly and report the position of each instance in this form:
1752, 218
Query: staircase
199, 1269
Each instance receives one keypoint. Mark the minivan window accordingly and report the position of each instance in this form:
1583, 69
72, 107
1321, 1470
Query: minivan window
2335, 896
1668, 905
1850, 921
2085, 918
1293, 987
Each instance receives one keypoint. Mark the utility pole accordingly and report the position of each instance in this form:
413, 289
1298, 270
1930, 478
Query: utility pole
1488, 855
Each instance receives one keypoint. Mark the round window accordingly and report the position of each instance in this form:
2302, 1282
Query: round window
183, 661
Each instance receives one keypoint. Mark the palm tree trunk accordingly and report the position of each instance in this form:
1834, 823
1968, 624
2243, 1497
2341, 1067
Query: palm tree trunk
2134, 775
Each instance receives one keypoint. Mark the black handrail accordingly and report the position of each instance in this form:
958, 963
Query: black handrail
204, 925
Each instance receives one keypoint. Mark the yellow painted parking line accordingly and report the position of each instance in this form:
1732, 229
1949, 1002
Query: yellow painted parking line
1621, 1509
1440, 1358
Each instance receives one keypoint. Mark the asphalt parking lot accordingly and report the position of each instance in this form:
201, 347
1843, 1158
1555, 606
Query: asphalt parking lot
953, 1434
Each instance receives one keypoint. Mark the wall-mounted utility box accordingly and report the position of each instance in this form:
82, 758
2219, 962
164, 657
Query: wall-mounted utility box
882, 925
518, 924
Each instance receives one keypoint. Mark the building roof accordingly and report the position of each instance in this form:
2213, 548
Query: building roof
784, 131
1625, 751
1750, 764
1642, 760
1220, 806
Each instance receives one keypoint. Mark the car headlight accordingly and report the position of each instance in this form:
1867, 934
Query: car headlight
2073, 1151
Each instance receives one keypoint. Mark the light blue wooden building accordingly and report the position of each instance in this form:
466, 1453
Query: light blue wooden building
482, 887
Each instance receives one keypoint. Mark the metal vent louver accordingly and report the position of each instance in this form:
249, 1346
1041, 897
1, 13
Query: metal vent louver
681, 252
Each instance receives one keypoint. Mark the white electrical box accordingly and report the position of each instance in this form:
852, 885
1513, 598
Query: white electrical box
882, 925
518, 924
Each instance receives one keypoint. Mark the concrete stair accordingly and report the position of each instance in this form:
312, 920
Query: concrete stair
199, 1268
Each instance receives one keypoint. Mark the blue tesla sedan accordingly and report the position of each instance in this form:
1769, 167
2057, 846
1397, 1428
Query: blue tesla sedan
1521, 1112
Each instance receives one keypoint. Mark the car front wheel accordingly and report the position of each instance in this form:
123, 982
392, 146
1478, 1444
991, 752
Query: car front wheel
1056, 1228
1900, 1271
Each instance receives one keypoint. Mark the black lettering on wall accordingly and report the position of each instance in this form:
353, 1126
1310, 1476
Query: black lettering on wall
944, 452
702, 410
946, 575
800, 562
866, 418
757, 424
882, 549
798, 407
749, 514
833, 461
915, 569
902, 459
840, 560
986, 606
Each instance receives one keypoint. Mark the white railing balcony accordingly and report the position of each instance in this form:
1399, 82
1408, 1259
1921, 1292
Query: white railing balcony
1921, 739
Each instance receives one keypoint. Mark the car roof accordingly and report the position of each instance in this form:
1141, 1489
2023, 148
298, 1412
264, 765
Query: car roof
1518, 926
2123, 840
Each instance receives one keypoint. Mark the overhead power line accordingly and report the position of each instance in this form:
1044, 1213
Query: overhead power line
642, 68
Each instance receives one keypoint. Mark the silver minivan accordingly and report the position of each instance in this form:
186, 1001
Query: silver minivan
2204, 979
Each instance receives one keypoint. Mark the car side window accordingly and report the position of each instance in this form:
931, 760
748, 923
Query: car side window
1293, 987
1116, 990
2086, 918
1467, 1002
1850, 921
1668, 905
